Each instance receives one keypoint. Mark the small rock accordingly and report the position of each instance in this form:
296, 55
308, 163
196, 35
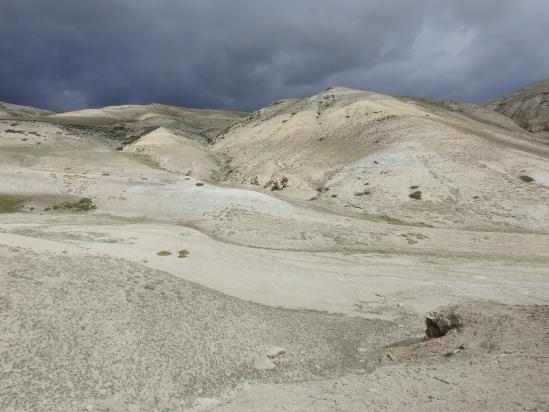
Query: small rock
275, 352
254, 181
415, 195
279, 183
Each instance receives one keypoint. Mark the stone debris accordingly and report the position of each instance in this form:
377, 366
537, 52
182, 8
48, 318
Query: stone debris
275, 352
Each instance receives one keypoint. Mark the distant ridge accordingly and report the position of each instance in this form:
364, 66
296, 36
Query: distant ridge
12, 111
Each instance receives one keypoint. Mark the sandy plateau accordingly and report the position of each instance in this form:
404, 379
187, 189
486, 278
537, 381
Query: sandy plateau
348, 251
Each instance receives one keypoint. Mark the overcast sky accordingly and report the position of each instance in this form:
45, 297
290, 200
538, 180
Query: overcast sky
243, 54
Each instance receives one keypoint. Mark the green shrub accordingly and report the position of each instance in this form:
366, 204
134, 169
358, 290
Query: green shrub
526, 178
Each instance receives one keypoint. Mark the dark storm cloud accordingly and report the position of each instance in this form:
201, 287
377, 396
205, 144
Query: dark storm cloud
242, 54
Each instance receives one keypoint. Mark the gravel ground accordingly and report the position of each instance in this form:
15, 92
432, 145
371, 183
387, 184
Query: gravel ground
95, 332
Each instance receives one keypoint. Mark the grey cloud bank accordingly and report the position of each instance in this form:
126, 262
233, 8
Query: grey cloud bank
242, 54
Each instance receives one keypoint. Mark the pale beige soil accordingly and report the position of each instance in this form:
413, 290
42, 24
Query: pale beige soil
175, 153
380, 286
363, 154
96, 319
497, 362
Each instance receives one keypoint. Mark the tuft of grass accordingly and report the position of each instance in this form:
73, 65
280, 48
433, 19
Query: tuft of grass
163, 253
415, 195
526, 178
10, 204
83, 205
183, 253
414, 187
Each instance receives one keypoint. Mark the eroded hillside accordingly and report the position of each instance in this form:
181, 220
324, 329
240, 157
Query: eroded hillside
372, 155
163, 258
528, 107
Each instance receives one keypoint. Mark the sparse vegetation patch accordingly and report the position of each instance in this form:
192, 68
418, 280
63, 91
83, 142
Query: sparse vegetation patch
10, 204
415, 195
83, 205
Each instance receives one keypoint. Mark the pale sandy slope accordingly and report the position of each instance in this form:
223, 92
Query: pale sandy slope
45, 166
496, 362
176, 152
88, 332
82, 289
363, 154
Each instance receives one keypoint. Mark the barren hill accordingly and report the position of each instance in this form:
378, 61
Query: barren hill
368, 154
163, 258
203, 122
528, 107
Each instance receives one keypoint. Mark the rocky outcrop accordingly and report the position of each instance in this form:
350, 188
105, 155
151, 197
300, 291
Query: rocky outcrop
528, 107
